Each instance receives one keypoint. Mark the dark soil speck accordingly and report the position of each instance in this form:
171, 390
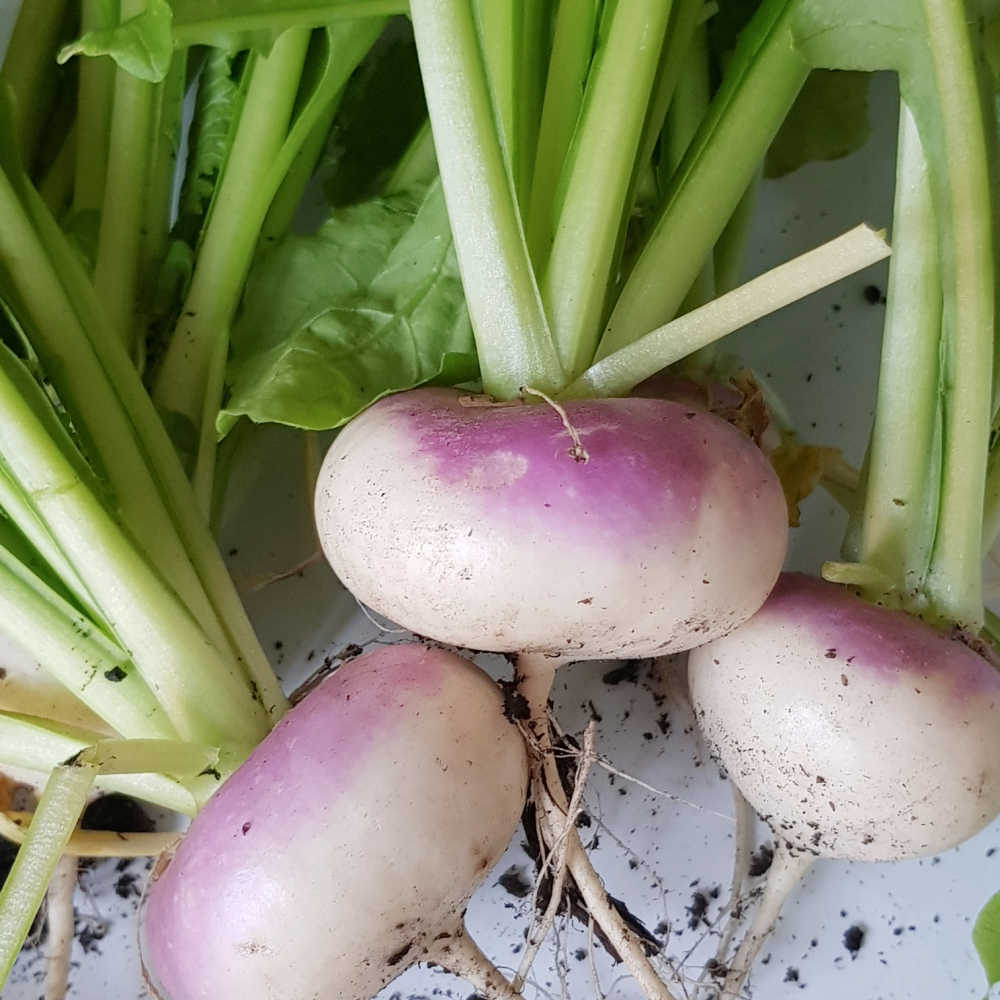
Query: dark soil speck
854, 938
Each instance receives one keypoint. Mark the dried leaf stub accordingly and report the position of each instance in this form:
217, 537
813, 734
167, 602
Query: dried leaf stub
739, 401
801, 468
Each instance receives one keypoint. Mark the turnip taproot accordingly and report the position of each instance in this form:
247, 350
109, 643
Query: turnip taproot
488, 527
855, 731
347, 846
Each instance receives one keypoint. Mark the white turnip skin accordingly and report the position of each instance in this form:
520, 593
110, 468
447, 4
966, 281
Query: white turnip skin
856, 732
476, 526
346, 847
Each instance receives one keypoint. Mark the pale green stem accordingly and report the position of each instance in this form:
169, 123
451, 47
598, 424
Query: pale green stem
40, 745
164, 474
88, 389
74, 651
29, 68
95, 94
116, 272
281, 214
533, 49
512, 336
498, 23
56, 186
954, 583
901, 493
602, 157
191, 378
54, 821
202, 691
619, 373
572, 48
763, 80
198, 23
19, 509
418, 164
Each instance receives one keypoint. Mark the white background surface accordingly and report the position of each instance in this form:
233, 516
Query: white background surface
654, 849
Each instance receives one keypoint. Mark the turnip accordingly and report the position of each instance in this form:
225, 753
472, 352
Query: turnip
347, 846
647, 528
855, 731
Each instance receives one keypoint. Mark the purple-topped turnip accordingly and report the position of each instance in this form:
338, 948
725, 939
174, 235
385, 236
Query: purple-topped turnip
651, 528
346, 848
855, 731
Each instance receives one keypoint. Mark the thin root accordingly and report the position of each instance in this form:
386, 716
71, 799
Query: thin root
535, 676
555, 860
578, 453
59, 920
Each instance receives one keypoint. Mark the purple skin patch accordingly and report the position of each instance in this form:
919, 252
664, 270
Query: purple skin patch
862, 636
651, 463
219, 875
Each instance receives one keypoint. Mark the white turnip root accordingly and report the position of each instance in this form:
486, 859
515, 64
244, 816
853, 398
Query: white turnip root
856, 732
488, 527
346, 847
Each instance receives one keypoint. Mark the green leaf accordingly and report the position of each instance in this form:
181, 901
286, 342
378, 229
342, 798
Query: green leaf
221, 89
986, 938
141, 45
828, 120
368, 305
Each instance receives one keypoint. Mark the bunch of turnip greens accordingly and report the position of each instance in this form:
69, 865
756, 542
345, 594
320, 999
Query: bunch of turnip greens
614, 145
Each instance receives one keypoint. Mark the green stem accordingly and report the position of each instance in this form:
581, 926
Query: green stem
281, 214
155, 225
619, 373
54, 821
418, 164
954, 583
730, 250
600, 166
498, 24
901, 494
95, 95
512, 335
690, 103
29, 69
687, 112
19, 510
763, 80
87, 389
675, 65
164, 474
35, 744
532, 66
201, 690
191, 378
74, 651
56, 186
116, 272
991, 503
198, 23
572, 48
